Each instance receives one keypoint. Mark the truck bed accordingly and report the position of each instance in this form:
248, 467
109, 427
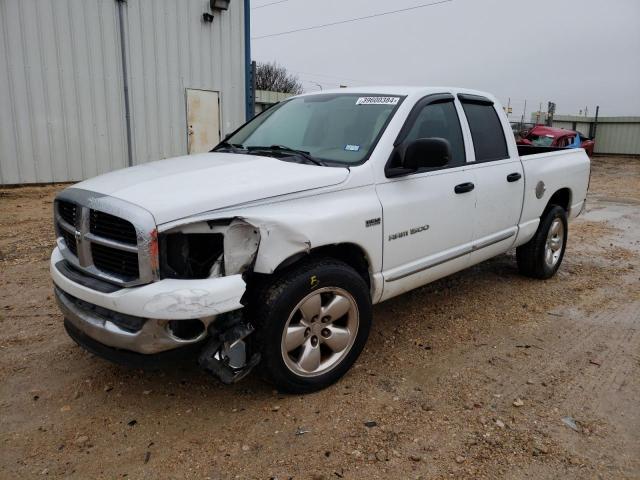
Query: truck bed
524, 150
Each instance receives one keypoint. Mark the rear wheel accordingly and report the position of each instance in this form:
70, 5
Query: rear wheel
541, 256
312, 323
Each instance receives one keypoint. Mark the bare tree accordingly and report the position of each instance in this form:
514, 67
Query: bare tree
273, 77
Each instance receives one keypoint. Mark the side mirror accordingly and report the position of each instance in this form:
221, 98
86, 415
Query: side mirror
427, 153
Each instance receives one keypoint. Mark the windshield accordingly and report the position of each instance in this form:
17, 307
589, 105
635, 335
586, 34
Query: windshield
341, 128
541, 140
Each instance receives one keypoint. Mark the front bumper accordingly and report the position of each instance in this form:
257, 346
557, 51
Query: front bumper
154, 305
133, 359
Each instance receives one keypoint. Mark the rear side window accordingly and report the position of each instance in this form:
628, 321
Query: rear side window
486, 130
440, 120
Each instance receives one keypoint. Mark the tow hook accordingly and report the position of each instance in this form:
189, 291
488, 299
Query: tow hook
225, 355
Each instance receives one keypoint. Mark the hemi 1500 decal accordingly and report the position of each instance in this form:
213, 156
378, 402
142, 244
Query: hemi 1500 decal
406, 233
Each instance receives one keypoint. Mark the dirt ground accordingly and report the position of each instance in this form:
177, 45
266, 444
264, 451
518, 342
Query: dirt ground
469, 377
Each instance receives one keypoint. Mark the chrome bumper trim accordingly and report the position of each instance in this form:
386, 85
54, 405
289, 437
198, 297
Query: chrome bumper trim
153, 337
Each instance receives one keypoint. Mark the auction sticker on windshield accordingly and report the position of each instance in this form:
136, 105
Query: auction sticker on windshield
377, 101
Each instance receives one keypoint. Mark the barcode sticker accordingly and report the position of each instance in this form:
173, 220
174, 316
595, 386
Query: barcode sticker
377, 101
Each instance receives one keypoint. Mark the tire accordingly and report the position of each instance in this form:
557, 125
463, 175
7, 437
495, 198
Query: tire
301, 301
541, 256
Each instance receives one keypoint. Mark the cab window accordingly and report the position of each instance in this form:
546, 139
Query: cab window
486, 131
440, 120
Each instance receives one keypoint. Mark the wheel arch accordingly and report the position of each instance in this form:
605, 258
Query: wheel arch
350, 253
561, 198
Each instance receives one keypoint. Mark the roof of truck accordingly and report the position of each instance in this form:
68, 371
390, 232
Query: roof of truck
403, 90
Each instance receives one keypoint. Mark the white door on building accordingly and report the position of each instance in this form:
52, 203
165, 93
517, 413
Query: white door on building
203, 120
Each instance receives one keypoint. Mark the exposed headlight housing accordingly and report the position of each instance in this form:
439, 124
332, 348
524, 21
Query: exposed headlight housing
208, 250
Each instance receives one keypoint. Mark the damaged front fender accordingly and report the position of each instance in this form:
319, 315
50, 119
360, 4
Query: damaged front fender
278, 242
241, 242
256, 243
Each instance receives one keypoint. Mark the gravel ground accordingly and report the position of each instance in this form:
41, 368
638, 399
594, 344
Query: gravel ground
469, 377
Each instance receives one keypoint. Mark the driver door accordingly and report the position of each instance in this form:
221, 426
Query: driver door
428, 215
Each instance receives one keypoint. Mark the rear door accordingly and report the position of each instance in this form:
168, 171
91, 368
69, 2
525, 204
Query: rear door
427, 224
499, 180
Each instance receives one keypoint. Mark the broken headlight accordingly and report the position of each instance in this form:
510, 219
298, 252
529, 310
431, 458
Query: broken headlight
208, 250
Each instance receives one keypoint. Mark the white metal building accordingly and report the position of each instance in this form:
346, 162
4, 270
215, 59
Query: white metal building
89, 86
266, 98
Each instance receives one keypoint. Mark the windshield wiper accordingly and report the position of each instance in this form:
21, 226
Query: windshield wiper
285, 149
234, 147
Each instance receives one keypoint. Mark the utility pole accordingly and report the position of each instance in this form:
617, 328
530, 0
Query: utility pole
551, 110
539, 112
594, 125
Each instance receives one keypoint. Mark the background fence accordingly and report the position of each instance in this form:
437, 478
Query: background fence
614, 135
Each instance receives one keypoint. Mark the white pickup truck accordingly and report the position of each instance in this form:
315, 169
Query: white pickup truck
271, 249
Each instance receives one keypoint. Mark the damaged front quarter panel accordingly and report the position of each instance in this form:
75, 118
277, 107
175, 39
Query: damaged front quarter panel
256, 243
241, 242
208, 249
263, 243
278, 242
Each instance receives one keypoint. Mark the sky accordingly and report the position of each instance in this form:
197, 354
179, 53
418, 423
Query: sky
576, 53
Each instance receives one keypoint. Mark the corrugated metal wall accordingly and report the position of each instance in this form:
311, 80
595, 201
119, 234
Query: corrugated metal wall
618, 137
614, 135
583, 127
172, 49
61, 100
62, 112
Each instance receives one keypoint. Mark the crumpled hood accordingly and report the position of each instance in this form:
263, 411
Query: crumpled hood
179, 187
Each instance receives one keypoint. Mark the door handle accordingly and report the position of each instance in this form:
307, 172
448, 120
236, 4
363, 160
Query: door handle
513, 177
464, 187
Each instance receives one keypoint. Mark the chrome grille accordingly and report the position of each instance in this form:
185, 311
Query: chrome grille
118, 262
67, 211
112, 227
96, 241
70, 241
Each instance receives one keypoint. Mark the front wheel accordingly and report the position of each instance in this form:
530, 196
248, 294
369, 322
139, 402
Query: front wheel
541, 256
312, 323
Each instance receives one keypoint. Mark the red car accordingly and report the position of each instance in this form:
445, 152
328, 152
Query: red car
542, 136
